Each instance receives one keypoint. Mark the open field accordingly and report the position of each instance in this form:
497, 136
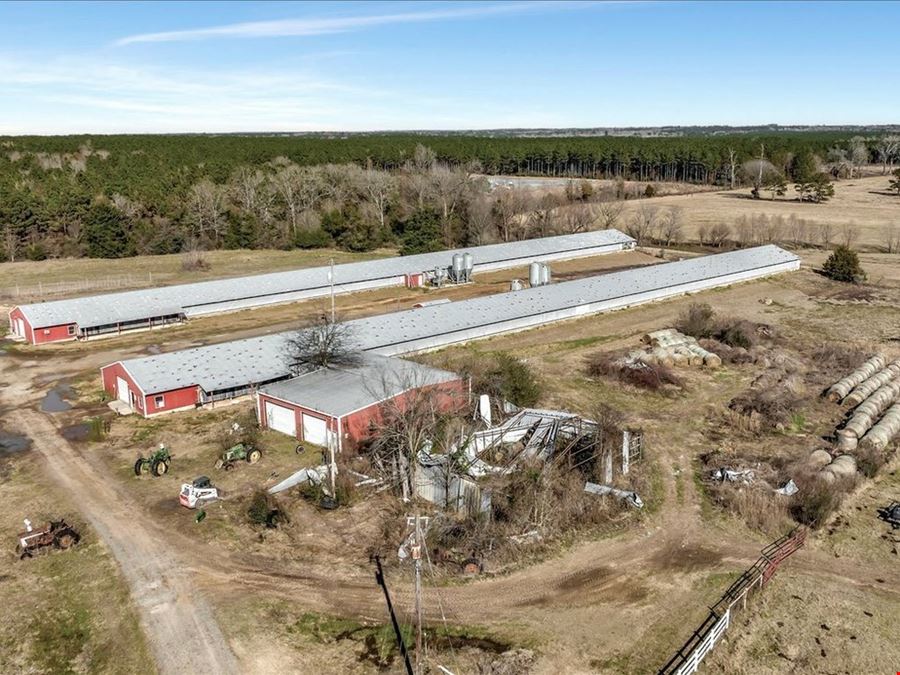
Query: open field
31, 281
862, 203
64, 611
615, 600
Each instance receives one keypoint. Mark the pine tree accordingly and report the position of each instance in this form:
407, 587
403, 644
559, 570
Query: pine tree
843, 265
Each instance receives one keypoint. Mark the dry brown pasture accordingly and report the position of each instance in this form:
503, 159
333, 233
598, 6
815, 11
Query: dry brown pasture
863, 204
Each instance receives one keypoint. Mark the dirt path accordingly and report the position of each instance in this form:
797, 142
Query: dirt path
179, 624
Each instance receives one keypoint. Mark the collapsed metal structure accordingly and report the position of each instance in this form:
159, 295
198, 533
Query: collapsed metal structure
451, 479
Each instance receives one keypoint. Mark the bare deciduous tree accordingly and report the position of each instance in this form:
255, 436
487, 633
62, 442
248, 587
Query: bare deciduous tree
848, 234
732, 166
406, 425
10, 243
858, 154
892, 239
756, 172
826, 234
378, 188
325, 344
718, 234
670, 225
578, 218
641, 224
887, 148
609, 213
207, 209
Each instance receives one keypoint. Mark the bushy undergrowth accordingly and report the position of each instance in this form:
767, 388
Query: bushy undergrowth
651, 377
700, 321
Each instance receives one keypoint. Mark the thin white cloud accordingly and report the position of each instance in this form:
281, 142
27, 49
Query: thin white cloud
330, 25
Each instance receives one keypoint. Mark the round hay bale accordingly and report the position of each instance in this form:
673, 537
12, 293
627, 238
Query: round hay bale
712, 360
820, 458
847, 440
680, 359
845, 465
827, 476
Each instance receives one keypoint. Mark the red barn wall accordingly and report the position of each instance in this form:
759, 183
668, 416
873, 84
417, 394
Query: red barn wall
50, 334
17, 313
110, 373
357, 425
175, 399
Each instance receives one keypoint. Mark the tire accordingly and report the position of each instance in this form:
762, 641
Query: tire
140, 467
299, 449
254, 456
229, 466
160, 467
219, 463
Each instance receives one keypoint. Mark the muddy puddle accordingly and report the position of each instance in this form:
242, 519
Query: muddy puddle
55, 400
76, 432
12, 444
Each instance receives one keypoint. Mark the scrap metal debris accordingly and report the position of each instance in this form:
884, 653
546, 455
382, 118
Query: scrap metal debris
628, 496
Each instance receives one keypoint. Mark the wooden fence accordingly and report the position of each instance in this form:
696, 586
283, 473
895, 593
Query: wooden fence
24, 293
687, 659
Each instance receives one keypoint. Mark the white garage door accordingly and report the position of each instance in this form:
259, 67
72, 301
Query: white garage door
122, 390
280, 419
315, 430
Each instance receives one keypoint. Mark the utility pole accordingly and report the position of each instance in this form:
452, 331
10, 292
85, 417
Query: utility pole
418, 542
331, 279
379, 579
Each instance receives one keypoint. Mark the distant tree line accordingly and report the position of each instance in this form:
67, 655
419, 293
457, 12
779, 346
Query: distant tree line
115, 196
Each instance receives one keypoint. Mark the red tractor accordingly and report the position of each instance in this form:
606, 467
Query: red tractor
57, 533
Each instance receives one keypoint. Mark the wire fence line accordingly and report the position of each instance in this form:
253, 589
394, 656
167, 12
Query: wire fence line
48, 290
687, 659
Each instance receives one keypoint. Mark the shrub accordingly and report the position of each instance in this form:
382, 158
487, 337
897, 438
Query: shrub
514, 380
774, 405
698, 321
317, 238
843, 265
816, 500
263, 510
651, 377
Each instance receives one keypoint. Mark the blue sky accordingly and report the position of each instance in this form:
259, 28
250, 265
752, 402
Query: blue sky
264, 66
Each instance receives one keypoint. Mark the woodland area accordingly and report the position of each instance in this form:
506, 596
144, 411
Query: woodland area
117, 196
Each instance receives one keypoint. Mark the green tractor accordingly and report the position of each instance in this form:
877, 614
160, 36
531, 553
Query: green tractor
242, 452
156, 464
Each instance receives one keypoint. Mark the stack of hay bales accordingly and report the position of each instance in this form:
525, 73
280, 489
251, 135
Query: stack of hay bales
670, 348
874, 388
840, 389
881, 434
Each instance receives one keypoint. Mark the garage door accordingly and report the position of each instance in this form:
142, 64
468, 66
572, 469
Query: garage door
280, 419
315, 431
122, 390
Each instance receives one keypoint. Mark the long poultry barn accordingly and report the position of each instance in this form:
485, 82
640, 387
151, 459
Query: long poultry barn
204, 375
114, 313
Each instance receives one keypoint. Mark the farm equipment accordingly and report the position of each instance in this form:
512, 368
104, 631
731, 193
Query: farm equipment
891, 515
57, 533
198, 493
238, 453
156, 464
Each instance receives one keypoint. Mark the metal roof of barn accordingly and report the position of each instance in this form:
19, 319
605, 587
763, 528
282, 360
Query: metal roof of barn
263, 359
195, 298
341, 391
